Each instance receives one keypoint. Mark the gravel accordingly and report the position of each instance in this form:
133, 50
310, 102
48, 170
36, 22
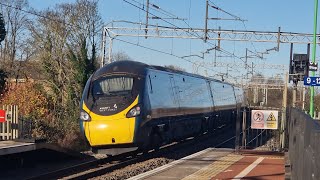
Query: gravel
135, 169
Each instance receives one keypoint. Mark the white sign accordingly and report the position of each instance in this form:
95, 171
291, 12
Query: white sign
264, 119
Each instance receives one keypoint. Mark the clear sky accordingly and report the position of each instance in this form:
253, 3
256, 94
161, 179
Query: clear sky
290, 15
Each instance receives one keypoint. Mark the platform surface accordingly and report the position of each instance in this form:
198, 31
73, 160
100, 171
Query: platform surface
12, 147
18, 146
221, 164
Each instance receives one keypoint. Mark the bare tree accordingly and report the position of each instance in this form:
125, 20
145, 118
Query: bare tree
257, 78
175, 67
66, 42
277, 80
120, 56
16, 44
2, 28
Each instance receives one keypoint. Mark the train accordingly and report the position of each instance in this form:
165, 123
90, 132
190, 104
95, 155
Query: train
130, 106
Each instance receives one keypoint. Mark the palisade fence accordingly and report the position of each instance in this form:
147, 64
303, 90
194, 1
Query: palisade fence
260, 139
304, 145
13, 127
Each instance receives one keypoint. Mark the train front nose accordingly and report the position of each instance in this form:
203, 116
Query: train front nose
109, 131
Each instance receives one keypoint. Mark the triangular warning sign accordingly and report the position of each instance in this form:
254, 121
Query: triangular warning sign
271, 117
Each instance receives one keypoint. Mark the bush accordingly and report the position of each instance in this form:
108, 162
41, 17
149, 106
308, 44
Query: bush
36, 107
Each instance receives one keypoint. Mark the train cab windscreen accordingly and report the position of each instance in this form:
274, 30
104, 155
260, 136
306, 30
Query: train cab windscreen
114, 86
112, 94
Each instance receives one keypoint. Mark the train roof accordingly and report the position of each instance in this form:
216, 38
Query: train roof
131, 67
134, 67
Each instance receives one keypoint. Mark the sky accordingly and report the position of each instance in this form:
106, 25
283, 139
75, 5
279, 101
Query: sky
290, 15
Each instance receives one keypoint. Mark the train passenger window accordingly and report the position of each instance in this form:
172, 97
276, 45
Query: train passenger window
150, 84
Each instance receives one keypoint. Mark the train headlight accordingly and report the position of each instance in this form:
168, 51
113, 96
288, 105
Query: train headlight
135, 111
85, 116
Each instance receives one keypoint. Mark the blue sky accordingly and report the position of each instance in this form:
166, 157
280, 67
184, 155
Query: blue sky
290, 15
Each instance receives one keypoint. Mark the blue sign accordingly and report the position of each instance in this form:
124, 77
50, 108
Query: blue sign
311, 81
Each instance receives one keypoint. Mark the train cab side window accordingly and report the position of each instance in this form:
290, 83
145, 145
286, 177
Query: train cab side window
151, 91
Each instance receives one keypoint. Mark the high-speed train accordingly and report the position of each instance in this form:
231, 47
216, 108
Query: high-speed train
129, 105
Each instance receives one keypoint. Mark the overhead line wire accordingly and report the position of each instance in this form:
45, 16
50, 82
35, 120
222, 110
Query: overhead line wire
237, 18
219, 9
157, 8
178, 28
160, 18
59, 21
159, 51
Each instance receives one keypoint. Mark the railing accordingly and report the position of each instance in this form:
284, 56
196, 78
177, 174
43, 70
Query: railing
304, 145
25, 128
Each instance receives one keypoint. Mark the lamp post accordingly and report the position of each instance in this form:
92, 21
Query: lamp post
313, 55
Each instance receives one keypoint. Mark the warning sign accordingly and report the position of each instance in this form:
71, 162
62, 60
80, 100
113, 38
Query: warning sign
264, 119
2, 115
271, 117
257, 120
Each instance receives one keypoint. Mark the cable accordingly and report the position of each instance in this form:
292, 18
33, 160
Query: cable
194, 34
160, 18
197, 35
245, 27
59, 21
219, 9
157, 8
220, 49
164, 53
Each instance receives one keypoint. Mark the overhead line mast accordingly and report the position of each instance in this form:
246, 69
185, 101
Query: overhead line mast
147, 17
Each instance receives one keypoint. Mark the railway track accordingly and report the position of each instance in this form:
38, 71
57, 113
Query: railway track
173, 151
131, 164
223, 137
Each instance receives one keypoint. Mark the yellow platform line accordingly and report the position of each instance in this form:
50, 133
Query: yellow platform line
215, 168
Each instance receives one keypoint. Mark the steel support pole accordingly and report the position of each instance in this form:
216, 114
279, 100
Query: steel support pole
278, 41
314, 55
147, 19
103, 48
244, 127
283, 114
294, 95
238, 119
206, 23
303, 98
110, 50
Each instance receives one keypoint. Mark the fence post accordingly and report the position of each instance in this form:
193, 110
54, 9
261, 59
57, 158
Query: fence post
244, 127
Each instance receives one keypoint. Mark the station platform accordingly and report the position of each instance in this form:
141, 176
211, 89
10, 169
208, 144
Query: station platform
12, 147
21, 146
221, 164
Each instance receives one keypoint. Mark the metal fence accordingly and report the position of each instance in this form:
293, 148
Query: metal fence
260, 139
304, 145
25, 128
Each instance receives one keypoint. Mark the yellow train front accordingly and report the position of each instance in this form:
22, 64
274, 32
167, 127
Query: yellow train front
129, 105
110, 111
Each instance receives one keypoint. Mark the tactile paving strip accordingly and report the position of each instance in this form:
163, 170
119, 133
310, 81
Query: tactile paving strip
215, 168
